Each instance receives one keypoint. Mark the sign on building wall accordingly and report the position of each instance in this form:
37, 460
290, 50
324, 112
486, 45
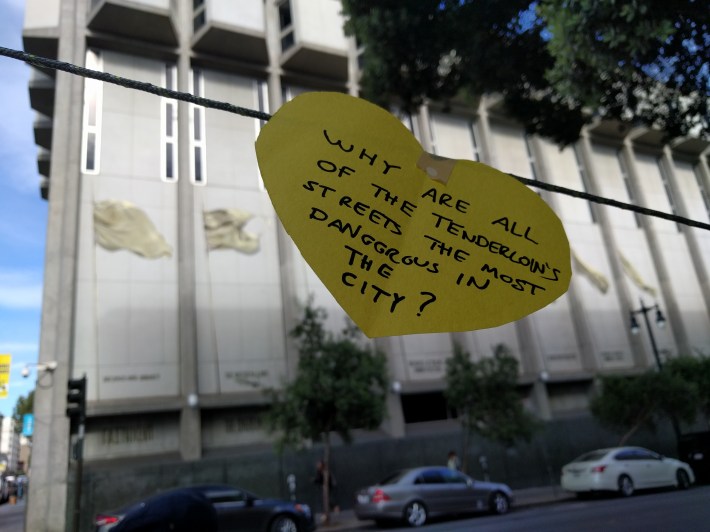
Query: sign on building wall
5, 362
28, 424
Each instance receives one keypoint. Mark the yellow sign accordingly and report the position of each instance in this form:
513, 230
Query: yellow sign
5, 362
407, 242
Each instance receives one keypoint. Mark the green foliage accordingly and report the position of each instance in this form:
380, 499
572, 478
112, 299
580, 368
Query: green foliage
556, 63
340, 385
486, 396
694, 372
629, 403
24, 405
641, 60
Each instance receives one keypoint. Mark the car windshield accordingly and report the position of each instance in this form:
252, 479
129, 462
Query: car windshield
392, 478
592, 456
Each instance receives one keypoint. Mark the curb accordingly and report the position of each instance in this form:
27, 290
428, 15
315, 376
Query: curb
352, 523
355, 524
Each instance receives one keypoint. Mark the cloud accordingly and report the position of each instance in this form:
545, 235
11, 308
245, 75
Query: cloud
20, 290
18, 347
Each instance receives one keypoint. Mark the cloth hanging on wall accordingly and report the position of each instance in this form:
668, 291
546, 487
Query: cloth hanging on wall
597, 278
635, 276
122, 225
224, 229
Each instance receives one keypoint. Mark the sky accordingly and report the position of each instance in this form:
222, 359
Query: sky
23, 214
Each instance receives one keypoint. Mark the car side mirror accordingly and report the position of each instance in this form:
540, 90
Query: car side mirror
469, 482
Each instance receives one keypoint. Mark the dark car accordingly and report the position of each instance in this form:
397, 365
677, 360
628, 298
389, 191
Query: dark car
415, 495
236, 510
694, 448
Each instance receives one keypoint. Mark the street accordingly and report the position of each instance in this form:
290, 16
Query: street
669, 511
12, 517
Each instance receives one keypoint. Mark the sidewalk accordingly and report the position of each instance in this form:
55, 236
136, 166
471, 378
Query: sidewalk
12, 517
346, 519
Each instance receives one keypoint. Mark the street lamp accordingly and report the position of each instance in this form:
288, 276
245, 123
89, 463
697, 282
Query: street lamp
660, 321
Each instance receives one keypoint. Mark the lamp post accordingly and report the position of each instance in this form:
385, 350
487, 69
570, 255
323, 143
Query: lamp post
660, 321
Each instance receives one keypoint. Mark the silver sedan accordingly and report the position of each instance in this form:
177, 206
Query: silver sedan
624, 470
415, 495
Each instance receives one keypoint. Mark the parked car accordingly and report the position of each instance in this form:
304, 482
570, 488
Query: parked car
624, 470
237, 510
415, 495
695, 449
6, 483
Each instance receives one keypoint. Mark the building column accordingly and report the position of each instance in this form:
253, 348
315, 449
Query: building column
289, 294
486, 152
393, 425
48, 504
579, 317
541, 397
531, 357
672, 309
690, 233
190, 419
704, 169
425, 128
639, 358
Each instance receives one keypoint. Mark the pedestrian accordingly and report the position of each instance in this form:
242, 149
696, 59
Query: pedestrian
318, 480
453, 461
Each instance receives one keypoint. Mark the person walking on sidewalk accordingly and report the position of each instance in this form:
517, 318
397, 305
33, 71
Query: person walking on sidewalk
332, 484
453, 462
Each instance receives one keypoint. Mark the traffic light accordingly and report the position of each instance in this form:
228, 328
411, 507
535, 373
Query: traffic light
76, 400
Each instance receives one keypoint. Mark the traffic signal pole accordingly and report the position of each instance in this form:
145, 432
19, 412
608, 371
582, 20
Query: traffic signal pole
76, 412
79, 475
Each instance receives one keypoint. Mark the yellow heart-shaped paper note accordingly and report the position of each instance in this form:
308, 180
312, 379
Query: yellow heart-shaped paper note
407, 242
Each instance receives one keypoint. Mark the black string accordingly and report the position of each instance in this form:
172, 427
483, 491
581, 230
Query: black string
44, 62
611, 202
54, 64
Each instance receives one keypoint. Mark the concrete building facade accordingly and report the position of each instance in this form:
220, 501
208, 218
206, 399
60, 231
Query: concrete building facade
178, 340
9, 445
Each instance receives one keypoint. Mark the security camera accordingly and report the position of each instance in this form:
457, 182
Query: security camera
49, 367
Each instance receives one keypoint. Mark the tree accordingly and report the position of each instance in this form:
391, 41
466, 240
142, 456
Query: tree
24, 405
556, 63
695, 371
628, 403
486, 397
340, 385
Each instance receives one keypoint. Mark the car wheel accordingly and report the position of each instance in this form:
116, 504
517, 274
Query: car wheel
415, 514
283, 523
499, 503
626, 486
682, 480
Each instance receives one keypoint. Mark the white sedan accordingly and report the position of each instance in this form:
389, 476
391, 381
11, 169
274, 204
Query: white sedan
623, 470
